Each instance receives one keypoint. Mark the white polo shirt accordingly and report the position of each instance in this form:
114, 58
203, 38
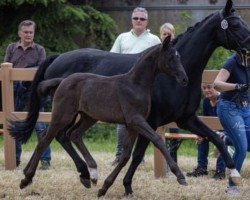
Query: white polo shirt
130, 43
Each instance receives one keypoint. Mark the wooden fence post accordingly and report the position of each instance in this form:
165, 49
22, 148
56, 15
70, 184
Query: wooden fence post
8, 107
160, 164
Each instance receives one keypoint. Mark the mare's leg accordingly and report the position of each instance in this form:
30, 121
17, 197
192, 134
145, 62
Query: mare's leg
194, 125
80, 164
139, 151
75, 133
129, 140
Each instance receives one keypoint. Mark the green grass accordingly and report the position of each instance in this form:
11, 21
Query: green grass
102, 138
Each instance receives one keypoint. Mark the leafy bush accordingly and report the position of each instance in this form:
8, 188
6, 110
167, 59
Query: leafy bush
61, 26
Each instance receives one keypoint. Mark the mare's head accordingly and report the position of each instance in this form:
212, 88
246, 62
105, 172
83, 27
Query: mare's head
169, 62
233, 32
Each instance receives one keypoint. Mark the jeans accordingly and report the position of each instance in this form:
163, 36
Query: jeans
236, 122
203, 150
21, 97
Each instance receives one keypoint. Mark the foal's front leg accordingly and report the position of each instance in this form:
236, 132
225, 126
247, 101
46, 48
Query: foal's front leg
129, 140
140, 125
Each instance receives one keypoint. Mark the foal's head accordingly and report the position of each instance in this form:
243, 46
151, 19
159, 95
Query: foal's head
169, 62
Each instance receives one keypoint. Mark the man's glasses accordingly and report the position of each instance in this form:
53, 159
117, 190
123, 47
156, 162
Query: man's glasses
139, 18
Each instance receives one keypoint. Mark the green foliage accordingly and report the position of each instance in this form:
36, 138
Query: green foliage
217, 59
61, 26
183, 24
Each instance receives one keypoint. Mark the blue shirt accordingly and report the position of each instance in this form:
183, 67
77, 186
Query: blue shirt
238, 74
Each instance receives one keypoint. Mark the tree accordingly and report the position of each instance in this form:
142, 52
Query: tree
61, 26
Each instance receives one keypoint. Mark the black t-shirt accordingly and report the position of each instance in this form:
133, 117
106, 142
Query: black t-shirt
238, 74
208, 109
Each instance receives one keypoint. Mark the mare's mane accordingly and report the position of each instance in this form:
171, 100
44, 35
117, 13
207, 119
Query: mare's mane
190, 29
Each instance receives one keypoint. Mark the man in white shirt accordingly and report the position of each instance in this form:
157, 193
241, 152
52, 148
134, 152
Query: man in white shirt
135, 41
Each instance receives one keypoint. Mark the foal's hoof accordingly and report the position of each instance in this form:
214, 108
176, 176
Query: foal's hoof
237, 181
85, 182
128, 190
24, 183
94, 182
182, 181
93, 175
101, 192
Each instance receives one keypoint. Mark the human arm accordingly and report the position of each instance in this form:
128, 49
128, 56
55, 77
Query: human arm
116, 48
220, 83
42, 56
7, 57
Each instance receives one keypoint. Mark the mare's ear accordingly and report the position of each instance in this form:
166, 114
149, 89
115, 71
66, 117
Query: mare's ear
228, 8
166, 43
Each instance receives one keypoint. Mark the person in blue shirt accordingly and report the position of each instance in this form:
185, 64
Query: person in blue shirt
234, 106
209, 108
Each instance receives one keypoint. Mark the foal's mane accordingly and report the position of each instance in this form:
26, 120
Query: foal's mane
190, 29
146, 53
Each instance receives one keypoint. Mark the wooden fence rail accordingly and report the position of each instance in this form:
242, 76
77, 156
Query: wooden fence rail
9, 74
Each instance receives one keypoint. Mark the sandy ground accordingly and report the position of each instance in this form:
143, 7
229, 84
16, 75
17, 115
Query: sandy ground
62, 182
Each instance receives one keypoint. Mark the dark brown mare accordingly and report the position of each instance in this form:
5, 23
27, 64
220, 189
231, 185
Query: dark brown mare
222, 28
123, 99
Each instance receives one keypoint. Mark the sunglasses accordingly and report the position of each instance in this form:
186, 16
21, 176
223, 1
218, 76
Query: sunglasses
139, 18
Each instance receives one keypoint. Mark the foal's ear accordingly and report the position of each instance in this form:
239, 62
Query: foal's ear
166, 43
228, 8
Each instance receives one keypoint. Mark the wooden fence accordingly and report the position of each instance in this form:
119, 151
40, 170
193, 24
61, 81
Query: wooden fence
9, 74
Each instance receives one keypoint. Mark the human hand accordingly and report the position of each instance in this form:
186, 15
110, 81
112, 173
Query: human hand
199, 140
241, 87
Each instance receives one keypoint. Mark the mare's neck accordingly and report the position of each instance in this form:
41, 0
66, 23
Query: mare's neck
144, 70
197, 47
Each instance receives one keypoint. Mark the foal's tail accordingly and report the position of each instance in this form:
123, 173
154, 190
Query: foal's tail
45, 86
22, 130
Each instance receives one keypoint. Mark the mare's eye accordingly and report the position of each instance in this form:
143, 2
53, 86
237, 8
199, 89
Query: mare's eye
234, 25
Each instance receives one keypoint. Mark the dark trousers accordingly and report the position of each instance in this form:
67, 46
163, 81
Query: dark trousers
21, 98
203, 150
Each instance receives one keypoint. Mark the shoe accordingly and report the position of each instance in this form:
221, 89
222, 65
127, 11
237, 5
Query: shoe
197, 172
45, 165
232, 190
219, 175
115, 161
18, 162
142, 162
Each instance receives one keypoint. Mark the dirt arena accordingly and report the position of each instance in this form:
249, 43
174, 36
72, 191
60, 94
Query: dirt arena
62, 182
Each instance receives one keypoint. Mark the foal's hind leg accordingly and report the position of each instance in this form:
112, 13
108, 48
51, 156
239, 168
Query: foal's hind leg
30, 170
75, 133
129, 140
80, 164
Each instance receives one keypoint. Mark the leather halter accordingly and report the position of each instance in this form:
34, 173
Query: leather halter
226, 29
